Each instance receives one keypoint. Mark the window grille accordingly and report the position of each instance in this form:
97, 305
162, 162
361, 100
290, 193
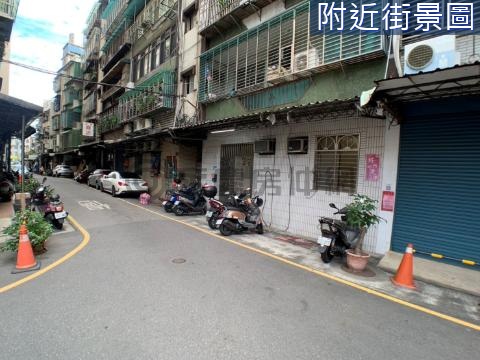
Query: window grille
336, 163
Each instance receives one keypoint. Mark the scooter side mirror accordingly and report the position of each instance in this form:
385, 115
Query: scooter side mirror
226, 193
332, 205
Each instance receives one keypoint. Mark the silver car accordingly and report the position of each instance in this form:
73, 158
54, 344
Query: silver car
96, 176
63, 170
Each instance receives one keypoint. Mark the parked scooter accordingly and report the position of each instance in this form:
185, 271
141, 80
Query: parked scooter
246, 217
195, 206
336, 236
51, 208
7, 187
172, 195
217, 209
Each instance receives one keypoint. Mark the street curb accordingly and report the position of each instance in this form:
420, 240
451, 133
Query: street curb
77, 249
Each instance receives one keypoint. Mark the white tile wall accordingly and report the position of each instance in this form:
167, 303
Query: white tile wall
299, 213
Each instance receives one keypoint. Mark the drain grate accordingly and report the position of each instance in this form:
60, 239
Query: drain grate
178, 261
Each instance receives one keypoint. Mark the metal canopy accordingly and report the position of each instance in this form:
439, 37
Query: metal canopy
461, 80
11, 112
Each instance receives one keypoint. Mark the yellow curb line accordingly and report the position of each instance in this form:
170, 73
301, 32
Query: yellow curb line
323, 274
85, 241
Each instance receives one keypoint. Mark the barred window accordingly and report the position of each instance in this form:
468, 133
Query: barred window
336, 163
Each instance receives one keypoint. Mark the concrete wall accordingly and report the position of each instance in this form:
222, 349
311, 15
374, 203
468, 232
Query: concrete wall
304, 208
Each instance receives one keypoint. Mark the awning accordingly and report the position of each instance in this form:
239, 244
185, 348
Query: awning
461, 80
11, 112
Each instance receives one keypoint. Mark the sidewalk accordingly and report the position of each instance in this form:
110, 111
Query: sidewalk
305, 252
6, 214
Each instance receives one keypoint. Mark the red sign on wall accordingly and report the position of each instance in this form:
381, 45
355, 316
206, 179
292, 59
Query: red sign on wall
372, 171
388, 201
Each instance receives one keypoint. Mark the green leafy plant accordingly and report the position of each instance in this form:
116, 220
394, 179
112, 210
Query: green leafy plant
31, 186
361, 214
38, 230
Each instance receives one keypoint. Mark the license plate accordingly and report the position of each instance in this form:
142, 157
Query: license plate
60, 215
219, 222
163, 203
324, 241
209, 214
177, 202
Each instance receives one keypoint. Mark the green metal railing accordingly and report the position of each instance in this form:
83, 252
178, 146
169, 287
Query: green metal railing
71, 139
68, 119
109, 120
277, 51
8, 8
155, 93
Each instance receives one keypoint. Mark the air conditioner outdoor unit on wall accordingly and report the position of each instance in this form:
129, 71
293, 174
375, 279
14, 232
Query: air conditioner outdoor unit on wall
306, 59
297, 145
431, 54
265, 147
127, 128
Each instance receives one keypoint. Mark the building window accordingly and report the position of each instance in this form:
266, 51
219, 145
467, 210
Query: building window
336, 163
188, 83
189, 20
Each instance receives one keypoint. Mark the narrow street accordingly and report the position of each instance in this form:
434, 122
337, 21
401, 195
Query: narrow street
125, 297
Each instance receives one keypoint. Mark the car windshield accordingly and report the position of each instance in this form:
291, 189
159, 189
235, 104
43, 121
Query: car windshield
129, 175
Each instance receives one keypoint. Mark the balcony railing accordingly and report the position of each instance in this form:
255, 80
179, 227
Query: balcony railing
115, 49
92, 45
155, 11
154, 94
90, 104
71, 139
279, 50
93, 19
68, 119
56, 123
109, 120
70, 95
8, 8
113, 13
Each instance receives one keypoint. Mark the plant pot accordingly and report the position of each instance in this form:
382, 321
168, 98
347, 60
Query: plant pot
357, 262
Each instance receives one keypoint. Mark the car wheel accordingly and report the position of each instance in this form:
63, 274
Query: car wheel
114, 193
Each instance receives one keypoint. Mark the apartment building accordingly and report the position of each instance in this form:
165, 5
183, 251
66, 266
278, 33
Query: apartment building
8, 12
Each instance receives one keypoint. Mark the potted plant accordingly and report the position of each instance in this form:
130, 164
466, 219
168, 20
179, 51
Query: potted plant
361, 215
38, 231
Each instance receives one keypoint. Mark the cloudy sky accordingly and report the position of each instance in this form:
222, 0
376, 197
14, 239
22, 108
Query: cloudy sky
39, 34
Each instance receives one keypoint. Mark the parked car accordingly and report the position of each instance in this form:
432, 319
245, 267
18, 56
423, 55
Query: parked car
63, 170
94, 178
123, 183
82, 177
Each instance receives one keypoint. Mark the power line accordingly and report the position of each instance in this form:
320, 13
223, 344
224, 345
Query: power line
84, 81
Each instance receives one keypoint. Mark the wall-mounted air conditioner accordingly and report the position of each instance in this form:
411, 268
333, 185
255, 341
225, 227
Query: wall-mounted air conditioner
138, 124
431, 54
306, 60
147, 123
265, 147
297, 145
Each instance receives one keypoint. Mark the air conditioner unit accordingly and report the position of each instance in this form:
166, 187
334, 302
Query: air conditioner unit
138, 124
127, 128
147, 123
431, 54
297, 145
265, 147
306, 59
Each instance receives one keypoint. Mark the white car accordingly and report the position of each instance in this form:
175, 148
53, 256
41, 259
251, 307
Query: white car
63, 170
118, 182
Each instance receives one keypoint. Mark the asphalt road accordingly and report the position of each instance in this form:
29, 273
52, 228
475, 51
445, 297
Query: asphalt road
122, 297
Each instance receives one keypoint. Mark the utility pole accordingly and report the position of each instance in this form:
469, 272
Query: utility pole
23, 153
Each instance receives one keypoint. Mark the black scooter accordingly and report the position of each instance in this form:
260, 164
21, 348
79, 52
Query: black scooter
51, 208
191, 206
336, 236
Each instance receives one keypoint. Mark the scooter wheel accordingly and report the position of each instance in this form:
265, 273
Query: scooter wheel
260, 229
224, 229
178, 211
212, 222
327, 255
168, 207
57, 224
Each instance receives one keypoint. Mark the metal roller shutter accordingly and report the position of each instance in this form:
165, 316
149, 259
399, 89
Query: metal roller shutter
438, 190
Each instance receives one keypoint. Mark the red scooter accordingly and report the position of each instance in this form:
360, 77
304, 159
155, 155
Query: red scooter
51, 208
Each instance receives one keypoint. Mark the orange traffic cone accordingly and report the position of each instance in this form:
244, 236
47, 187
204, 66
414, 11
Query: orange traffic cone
404, 275
25, 259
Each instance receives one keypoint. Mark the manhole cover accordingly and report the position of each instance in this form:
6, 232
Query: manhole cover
178, 261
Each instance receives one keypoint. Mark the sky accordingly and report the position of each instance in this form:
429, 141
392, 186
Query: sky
39, 33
